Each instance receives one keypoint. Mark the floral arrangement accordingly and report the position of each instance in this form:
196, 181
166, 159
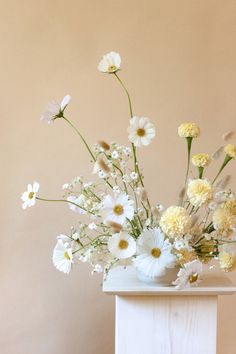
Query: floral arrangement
123, 227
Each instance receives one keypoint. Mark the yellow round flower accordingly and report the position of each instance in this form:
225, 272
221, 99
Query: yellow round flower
199, 192
188, 130
227, 261
201, 160
230, 205
223, 221
175, 221
230, 150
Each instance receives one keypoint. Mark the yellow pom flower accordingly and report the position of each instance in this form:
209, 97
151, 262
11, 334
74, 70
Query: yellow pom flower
230, 150
201, 160
175, 221
188, 130
223, 221
199, 192
230, 205
227, 261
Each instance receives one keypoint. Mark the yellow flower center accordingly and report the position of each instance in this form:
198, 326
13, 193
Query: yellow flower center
140, 132
31, 195
118, 209
193, 278
156, 252
66, 256
112, 68
123, 244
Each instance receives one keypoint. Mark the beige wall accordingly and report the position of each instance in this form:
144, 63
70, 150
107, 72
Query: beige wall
179, 63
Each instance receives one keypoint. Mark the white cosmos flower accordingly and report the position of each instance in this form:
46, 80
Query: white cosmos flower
62, 257
189, 275
110, 63
154, 253
55, 110
29, 197
141, 131
80, 200
117, 208
122, 245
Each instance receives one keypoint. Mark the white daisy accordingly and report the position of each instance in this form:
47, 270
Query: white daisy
29, 197
80, 200
62, 257
110, 63
55, 110
122, 245
117, 208
189, 275
154, 253
141, 131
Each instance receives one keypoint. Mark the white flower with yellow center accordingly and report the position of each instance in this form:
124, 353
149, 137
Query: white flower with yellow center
223, 221
29, 197
199, 192
230, 150
201, 160
189, 275
154, 253
188, 130
175, 221
122, 245
117, 209
141, 131
110, 63
62, 257
75, 202
55, 110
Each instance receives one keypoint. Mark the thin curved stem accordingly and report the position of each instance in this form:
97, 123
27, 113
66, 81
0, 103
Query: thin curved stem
127, 93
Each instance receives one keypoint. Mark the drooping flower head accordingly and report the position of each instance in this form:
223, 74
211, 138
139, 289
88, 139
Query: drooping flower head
175, 221
122, 245
230, 150
62, 256
29, 197
55, 110
141, 131
110, 63
201, 160
199, 192
188, 130
189, 275
117, 209
154, 253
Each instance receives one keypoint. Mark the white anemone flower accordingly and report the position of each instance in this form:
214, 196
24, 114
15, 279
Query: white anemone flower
117, 208
122, 245
55, 110
189, 276
141, 131
80, 200
154, 253
62, 257
29, 197
110, 63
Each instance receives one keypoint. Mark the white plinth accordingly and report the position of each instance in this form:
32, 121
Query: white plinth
163, 320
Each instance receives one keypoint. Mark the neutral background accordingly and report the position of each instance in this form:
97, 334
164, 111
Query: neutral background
178, 60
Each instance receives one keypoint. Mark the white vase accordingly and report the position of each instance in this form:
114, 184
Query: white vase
164, 280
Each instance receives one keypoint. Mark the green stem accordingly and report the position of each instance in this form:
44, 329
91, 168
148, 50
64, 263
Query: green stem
81, 136
200, 172
127, 93
226, 161
65, 201
189, 145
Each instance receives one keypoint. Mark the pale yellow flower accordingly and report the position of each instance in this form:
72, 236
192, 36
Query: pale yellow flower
199, 192
227, 261
188, 130
230, 150
175, 221
230, 205
201, 160
223, 221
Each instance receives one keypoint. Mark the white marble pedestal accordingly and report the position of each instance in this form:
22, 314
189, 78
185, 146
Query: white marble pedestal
163, 320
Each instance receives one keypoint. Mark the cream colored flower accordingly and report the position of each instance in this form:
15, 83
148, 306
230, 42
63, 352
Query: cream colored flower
117, 209
110, 63
227, 258
141, 131
199, 192
189, 275
175, 221
29, 197
188, 130
230, 205
201, 160
122, 245
62, 257
223, 221
230, 150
